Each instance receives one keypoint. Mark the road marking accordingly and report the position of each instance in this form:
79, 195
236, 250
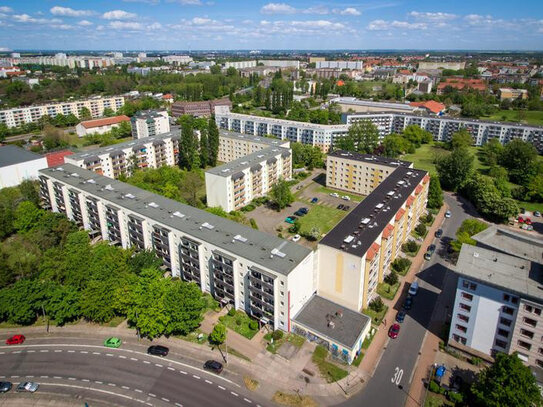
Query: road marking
138, 390
165, 399
85, 380
83, 351
58, 351
70, 351
112, 384
147, 362
207, 381
2, 353
57, 377
125, 387
171, 368
14, 377
179, 405
133, 359
29, 351
109, 354
92, 389
158, 365
44, 377
96, 353
234, 394
17, 351
71, 378
2, 377
151, 395
98, 382
149, 404
196, 377
182, 372
222, 388
247, 400
122, 356
30, 377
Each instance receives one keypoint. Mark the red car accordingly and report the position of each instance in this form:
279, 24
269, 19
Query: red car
520, 219
528, 221
15, 340
394, 331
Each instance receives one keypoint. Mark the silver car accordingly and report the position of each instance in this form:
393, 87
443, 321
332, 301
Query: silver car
28, 386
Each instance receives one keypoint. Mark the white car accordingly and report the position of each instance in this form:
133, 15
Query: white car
346, 197
295, 238
334, 194
448, 214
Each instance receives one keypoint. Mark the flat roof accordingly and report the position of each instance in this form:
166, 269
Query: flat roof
269, 251
501, 270
511, 242
368, 219
333, 321
11, 155
369, 158
247, 161
249, 137
359, 102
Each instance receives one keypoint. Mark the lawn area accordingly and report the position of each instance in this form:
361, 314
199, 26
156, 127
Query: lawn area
424, 157
322, 217
523, 116
433, 400
194, 337
294, 339
293, 400
387, 291
328, 191
329, 371
376, 317
239, 323
531, 206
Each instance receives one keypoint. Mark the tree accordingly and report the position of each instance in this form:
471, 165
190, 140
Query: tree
85, 114
218, 335
507, 382
192, 183
188, 149
4, 131
27, 216
142, 260
314, 233
213, 142
492, 151
467, 229
391, 278
108, 112
417, 135
455, 168
204, 148
395, 145
29, 191
519, 158
363, 137
63, 304
185, 304
435, 194
280, 194
461, 139
53, 138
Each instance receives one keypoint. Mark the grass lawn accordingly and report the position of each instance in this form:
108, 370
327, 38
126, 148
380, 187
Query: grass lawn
433, 400
242, 327
424, 157
322, 217
193, 337
293, 400
531, 206
523, 116
376, 317
329, 371
387, 291
328, 191
294, 339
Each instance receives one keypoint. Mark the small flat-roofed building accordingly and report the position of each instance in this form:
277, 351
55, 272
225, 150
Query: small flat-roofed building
17, 164
100, 126
341, 330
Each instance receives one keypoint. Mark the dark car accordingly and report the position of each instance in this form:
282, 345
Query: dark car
298, 213
5, 387
315, 200
304, 210
158, 350
431, 248
439, 233
346, 207
400, 316
214, 366
408, 303
27, 386
340, 206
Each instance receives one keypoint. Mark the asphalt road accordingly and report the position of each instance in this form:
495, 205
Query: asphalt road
124, 377
391, 381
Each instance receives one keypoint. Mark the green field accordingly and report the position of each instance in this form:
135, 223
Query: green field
425, 156
354, 197
322, 217
534, 117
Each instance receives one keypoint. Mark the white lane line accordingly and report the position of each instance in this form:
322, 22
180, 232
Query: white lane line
16, 351
109, 354
2, 377
112, 384
2, 353
122, 356
182, 372
208, 382
138, 390
222, 388
247, 400
96, 353
57, 377
158, 365
71, 378
58, 350
134, 359
179, 405
151, 395
149, 404
15, 377
125, 387
29, 351
44, 350
196, 377
83, 351
234, 394
171, 368
85, 380
70, 351
165, 399
92, 389
98, 382
44, 377
30, 377
146, 362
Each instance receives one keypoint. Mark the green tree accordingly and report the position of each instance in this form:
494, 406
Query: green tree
204, 148
213, 142
435, 194
461, 139
142, 260
519, 158
467, 229
417, 135
507, 382
85, 114
96, 301
455, 168
492, 151
63, 304
185, 305
188, 149
4, 131
280, 194
27, 216
29, 191
108, 112
395, 145
218, 335
192, 184
363, 137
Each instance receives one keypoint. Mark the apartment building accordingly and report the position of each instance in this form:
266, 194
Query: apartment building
365, 106
319, 135
267, 277
235, 145
513, 94
115, 160
498, 304
199, 109
234, 185
100, 126
17, 116
357, 65
356, 254
281, 63
359, 173
150, 123
240, 64
17, 165
442, 128
177, 59
62, 59
424, 65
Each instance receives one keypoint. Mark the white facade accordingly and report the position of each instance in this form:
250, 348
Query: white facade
240, 64
19, 115
61, 59
85, 128
286, 63
150, 123
234, 145
358, 65
177, 59
17, 165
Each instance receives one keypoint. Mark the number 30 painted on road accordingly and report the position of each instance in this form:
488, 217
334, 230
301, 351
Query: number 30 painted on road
397, 378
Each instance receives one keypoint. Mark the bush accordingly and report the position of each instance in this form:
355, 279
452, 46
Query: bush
238, 322
421, 229
391, 278
377, 305
455, 397
434, 387
475, 361
276, 335
253, 325
410, 246
401, 264
248, 208
253, 223
231, 312
429, 218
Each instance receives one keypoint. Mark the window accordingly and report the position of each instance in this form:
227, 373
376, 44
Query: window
514, 300
539, 362
463, 317
469, 285
282, 314
461, 328
505, 321
530, 321
533, 310
508, 310
524, 345
506, 297
500, 343
459, 339
503, 332
526, 333
465, 307
282, 293
467, 296
282, 303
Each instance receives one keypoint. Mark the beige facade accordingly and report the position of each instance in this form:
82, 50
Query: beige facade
527, 337
509, 93
234, 145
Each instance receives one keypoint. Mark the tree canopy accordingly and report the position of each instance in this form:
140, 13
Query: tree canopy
363, 137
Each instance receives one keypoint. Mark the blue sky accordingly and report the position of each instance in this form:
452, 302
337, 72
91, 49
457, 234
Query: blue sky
255, 24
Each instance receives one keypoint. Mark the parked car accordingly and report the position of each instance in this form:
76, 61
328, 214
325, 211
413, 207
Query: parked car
299, 213
520, 219
15, 340
346, 197
448, 214
413, 288
295, 238
527, 227
346, 207
431, 248
400, 316
537, 214
27, 386
408, 303
334, 194
158, 350
5, 387
394, 331
340, 206
112, 342
214, 366
428, 255
304, 210
528, 221
314, 200
290, 219
439, 233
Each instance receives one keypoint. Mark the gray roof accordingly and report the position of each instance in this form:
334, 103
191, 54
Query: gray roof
249, 137
377, 209
248, 161
267, 250
318, 312
11, 155
369, 158
510, 273
147, 114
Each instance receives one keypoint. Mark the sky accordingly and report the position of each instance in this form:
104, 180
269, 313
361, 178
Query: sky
148, 25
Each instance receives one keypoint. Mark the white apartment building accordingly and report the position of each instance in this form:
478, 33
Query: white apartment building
267, 277
17, 165
240, 64
366, 106
61, 59
235, 145
359, 173
177, 59
281, 63
100, 126
357, 65
17, 116
234, 185
319, 135
498, 304
150, 123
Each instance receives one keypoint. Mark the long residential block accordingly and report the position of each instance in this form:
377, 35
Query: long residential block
18, 116
268, 277
235, 184
235, 145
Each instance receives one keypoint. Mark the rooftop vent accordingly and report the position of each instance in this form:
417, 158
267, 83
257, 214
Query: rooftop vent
240, 238
390, 193
225, 170
277, 252
207, 226
331, 324
260, 155
109, 187
153, 205
91, 181
379, 206
475, 254
129, 196
73, 174
178, 214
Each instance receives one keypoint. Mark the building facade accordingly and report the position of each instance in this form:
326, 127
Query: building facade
150, 123
240, 64
357, 65
198, 109
234, 185
100, 126
17, 116
17, 165
235, 145
267, 277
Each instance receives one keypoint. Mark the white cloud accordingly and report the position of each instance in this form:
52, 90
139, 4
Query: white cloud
187, 2
154, 26
69, 12
322, 10
84, 23
382, 25
349, 11
5, 9
25, 18
118, 15
439, 16
125, 25
62, 26
153, 2
201, 21
277, 8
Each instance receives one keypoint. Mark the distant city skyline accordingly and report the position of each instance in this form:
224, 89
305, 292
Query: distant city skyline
287, 25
